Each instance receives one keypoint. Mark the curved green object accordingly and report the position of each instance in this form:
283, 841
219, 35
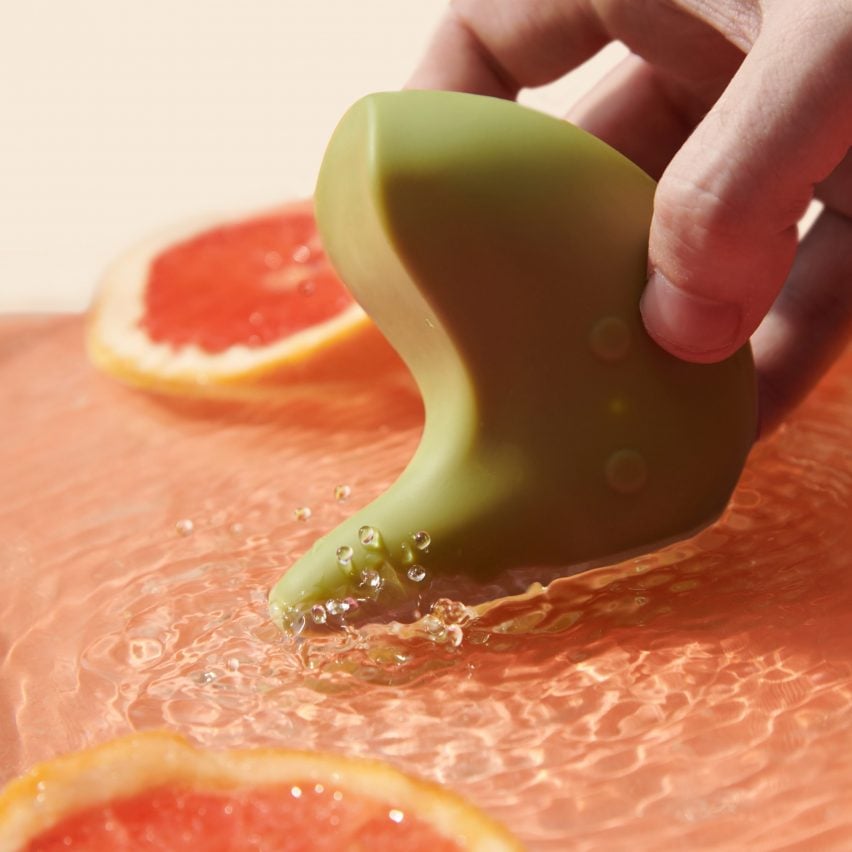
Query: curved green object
503, 253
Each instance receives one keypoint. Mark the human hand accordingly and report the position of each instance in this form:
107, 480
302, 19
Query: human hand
743, 111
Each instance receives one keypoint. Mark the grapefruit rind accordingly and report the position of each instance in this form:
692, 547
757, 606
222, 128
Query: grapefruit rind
117, 343
37, 801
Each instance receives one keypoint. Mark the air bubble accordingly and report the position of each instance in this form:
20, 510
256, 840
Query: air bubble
307, 287
417, 573
255, 318
318, 614
344, 555
303, 513
342, 493
184, 527
421, 539
301, 254
396, 815
206, 677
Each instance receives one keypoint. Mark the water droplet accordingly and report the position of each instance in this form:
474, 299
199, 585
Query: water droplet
206, 677
429, 322
417, 573
307, 287
370, 580
337, 795
367, 535
303, 513
319, 788
273, 260
626, 471
433, 625
609, 339
344, 555
421, 539
301, 254
184, 527
451, 612
236, 528
296, 792
455, 634
342, 493
318, 614
336, 607
234, 664
396, 815
255, 318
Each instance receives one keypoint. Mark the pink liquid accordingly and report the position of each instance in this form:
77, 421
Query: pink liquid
700, 696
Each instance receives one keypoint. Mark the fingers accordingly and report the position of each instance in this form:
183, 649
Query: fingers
724, 231
810, 323
498, 47
643, 112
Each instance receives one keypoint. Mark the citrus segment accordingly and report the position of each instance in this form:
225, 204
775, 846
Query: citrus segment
233, 308
155, 791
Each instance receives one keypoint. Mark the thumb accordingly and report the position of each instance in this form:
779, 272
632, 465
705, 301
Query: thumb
724, 235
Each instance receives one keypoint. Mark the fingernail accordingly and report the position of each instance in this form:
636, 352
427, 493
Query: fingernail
683, 322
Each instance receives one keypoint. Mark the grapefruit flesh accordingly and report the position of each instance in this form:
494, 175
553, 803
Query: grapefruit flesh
247, 283
296, 818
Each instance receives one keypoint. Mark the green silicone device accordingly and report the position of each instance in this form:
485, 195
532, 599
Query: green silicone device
503, 253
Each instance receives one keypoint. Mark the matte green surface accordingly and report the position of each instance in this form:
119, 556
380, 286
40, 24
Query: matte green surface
503, 254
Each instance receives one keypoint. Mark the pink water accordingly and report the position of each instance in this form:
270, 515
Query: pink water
700, 697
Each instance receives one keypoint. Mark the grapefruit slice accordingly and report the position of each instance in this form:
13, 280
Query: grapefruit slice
156, 791
224, 308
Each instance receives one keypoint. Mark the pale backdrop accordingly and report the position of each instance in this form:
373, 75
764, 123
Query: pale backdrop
120, 116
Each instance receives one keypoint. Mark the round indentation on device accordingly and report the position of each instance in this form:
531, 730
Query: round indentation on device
609, 339
626, 471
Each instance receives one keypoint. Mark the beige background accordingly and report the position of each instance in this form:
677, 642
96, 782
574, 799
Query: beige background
118, 117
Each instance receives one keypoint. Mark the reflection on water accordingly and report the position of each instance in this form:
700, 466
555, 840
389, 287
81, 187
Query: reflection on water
701, 695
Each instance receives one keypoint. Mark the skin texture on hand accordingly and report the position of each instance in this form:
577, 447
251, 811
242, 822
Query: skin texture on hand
743, 111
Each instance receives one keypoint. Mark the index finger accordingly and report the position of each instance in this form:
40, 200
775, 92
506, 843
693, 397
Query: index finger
498, 48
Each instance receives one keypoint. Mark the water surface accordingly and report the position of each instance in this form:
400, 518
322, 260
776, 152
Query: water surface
700, 696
